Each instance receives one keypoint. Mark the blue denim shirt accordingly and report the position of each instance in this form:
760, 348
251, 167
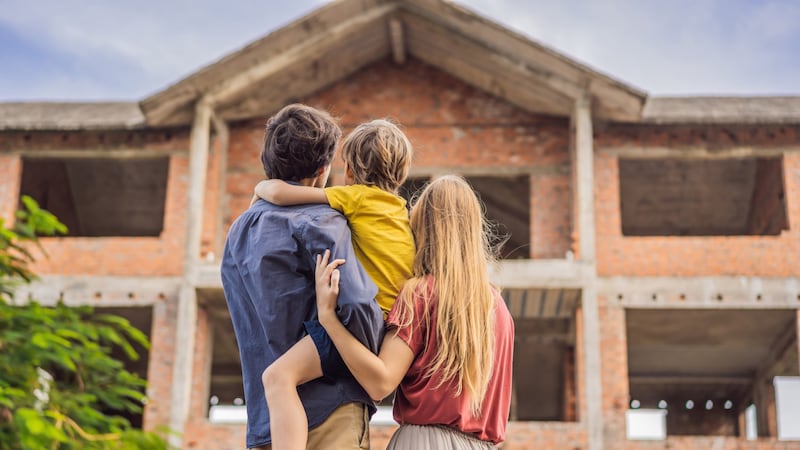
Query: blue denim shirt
268, 278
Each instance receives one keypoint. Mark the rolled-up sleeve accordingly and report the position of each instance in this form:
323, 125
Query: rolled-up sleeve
357, 308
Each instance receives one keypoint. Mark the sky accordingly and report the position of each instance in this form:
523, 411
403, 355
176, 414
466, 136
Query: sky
93, 50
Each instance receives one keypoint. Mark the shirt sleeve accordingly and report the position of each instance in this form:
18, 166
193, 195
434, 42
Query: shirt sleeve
344, 199
412, 334
357, 308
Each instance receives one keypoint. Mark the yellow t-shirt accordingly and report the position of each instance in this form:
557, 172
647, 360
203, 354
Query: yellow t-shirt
381, 235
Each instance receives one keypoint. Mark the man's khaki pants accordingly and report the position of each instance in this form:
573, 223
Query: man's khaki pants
346, 428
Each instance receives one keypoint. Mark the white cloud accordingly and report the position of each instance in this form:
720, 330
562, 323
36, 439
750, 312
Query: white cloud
131, 49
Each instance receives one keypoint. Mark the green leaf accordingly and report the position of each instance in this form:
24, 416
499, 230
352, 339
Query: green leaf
71, 343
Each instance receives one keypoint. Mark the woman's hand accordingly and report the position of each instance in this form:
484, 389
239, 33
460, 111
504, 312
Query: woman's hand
327, 276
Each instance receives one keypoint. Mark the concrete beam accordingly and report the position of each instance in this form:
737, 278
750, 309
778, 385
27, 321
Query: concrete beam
397, 39
691, 380
694, 152
207, 276
116, 153
511, 274
541, 273
701, 292
98, 291
510, 171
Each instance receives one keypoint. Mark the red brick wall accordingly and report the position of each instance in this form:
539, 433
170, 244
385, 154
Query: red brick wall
146, 256
160, 366
453, 126
769, 256
613, 369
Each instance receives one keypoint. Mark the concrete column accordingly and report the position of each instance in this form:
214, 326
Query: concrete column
186, 326
223, 137
764, 399
583, 157
584, 174
10, 170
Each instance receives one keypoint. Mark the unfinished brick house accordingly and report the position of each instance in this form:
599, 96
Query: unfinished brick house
654, 252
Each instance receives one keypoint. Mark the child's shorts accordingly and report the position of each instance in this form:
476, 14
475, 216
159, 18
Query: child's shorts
333, 367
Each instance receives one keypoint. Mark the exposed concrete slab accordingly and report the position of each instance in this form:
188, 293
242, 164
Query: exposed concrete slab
537, 273
105, 291
708, 354
543, 273
702, 342
702, 292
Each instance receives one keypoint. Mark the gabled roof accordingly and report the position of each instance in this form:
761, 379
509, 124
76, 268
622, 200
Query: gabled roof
70, 116
722, 110
344, 36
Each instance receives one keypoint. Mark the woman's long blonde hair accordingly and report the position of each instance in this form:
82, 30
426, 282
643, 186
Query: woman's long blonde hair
453, 249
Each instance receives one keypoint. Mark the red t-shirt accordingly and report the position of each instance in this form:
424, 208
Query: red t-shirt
418, 403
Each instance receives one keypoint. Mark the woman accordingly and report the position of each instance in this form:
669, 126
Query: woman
450, 337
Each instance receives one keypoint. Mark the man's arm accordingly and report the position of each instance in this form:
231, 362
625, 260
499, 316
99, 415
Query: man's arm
380, 374
357, 310
284, 194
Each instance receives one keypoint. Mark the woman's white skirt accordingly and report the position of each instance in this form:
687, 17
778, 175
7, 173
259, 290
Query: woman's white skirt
435, 437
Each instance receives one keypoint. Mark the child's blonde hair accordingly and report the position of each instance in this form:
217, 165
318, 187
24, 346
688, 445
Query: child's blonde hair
453, 249
378, 154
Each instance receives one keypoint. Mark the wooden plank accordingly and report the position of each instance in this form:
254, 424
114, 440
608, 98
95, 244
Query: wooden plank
571, 301
552, 301
534, 304
398, 41
514, 301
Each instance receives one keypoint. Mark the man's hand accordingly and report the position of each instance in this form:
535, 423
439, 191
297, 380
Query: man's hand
327, 276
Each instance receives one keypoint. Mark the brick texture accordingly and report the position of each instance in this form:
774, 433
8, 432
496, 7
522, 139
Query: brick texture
767, 256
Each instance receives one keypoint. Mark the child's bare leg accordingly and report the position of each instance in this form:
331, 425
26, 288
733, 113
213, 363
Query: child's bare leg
288, 421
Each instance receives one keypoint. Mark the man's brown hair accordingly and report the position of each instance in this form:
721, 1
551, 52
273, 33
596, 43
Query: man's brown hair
298, 141
378, 154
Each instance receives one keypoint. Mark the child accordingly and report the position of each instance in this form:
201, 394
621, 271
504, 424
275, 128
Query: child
449, 343
376, 156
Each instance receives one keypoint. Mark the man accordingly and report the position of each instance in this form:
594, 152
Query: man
268, 278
